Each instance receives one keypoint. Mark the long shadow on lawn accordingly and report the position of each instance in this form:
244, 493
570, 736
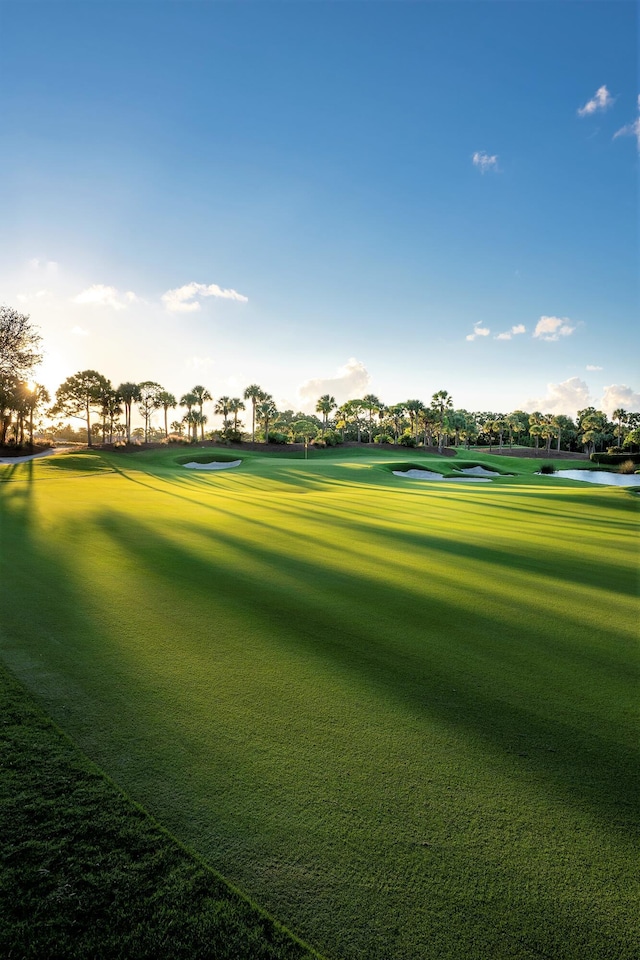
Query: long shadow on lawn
40, 569
585, 769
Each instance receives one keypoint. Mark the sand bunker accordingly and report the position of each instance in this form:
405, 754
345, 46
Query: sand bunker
430, 475
7, 461
478, 471
214, 465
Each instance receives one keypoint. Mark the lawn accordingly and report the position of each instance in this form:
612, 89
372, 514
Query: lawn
401, 716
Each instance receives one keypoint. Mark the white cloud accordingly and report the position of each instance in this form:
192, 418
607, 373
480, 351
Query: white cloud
478, 331
182, 299
632, 129
515, 330
601, 100
351, 381
567, 397
592, 366
485, 162
79, 332
132, 297
100, 295
199, 363
619, 395
25, 297
552, 328
48, 267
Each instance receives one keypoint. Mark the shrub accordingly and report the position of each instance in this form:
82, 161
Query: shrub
408, 441
615, 450
627, 467
275, 436
613, 459
332, 438
547, 468
319, 442
383, 438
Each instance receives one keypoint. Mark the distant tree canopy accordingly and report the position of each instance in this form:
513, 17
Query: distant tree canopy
19, 344
78, 394
411, 422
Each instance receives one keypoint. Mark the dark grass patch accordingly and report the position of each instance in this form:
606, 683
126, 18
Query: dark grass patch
206, 458
86, 873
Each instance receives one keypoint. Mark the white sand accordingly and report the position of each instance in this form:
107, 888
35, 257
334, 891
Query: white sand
479, 471
214, 465
7, 461
429, 475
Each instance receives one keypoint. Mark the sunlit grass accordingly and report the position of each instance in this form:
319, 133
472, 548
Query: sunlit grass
400, 716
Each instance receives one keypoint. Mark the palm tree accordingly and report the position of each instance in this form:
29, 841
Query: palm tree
414, 408
256, 394
266, 410
222, 410
548, 430
235, 406
441, 402
168, 402
129, 393
620, 415
490, 427
325, 405
396, 416
370, 402
149, 401
111, 411
535, 426
36, 395
202, 395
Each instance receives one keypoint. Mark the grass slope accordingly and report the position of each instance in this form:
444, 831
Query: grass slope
86, 873
400, 715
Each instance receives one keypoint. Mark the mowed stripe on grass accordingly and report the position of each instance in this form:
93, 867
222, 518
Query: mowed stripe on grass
400, 716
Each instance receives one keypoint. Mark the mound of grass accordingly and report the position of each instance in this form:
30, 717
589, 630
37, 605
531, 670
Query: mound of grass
208, 457
86, 873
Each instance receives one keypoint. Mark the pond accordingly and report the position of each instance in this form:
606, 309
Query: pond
600, 476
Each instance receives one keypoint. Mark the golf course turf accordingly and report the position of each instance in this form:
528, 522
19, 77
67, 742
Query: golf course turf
400, 716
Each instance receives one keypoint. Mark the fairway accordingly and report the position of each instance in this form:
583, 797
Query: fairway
401, 716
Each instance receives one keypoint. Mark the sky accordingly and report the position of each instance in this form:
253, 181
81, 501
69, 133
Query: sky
327, 197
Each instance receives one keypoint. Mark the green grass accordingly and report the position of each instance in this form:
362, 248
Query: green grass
86, 873
400, 716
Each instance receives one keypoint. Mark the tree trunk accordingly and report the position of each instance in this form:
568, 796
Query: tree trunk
88, 413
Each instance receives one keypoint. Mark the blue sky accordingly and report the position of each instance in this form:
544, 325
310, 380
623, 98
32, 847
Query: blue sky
381, 197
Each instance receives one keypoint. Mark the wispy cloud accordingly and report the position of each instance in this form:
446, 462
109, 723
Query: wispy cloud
485, 161
478, 331
631, 129
100, 295
552, 328
601, 100
592, 367
26, 297
48, 267
183, 299
508, 334
199, 363
567, 397
352, 380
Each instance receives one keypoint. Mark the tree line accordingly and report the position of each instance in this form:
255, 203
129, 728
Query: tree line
106, 412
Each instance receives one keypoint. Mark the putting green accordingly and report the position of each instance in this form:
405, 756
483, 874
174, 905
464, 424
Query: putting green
401, 716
